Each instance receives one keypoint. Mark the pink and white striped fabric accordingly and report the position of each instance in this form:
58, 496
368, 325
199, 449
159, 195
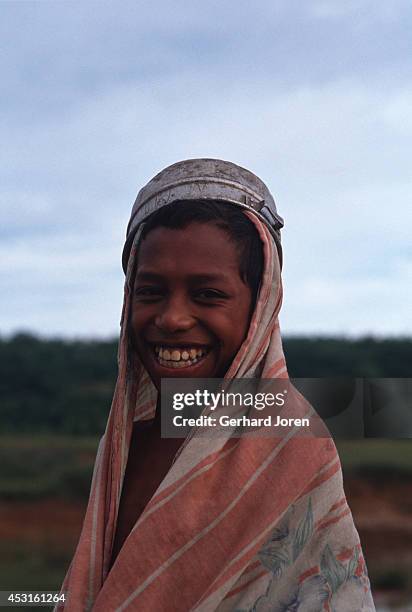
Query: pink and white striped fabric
244, 524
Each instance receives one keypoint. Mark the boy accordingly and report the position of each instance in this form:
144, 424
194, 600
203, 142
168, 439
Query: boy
222, 524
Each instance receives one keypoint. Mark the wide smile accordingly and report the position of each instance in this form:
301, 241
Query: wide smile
180, 357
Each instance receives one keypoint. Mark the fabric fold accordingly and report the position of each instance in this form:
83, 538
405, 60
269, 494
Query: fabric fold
245, 524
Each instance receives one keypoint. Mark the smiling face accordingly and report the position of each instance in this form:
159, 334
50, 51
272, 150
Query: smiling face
191, 309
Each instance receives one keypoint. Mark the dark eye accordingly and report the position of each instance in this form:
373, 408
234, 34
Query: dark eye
209, 295
148, 293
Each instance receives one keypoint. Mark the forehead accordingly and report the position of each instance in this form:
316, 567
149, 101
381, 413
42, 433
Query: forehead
199, 248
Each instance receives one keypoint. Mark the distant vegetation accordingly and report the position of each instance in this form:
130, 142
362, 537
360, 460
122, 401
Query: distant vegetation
54, 385
67, 387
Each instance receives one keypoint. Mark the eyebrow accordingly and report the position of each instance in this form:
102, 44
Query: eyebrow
197, 278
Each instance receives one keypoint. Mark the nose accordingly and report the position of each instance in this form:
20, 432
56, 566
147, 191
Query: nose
175, 316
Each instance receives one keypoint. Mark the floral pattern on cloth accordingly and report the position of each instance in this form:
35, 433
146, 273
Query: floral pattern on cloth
339, 582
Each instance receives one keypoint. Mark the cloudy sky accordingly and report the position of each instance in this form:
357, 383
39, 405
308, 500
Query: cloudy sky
314, 96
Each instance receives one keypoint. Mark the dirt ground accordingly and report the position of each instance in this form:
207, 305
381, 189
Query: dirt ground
51, 520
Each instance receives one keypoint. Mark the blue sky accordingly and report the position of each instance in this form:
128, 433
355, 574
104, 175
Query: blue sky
315, 97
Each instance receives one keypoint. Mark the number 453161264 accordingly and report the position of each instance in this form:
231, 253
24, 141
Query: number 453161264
45, 597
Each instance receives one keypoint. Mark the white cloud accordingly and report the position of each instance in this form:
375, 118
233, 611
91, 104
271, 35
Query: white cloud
334, 149
316, 147
350, 306
365, 10
397, 113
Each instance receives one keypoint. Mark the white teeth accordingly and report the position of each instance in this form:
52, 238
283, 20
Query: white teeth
177, 358
176, 364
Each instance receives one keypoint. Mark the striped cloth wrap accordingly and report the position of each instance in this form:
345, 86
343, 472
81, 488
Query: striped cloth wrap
243, 524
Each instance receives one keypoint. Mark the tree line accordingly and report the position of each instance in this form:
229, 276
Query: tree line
66, 387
